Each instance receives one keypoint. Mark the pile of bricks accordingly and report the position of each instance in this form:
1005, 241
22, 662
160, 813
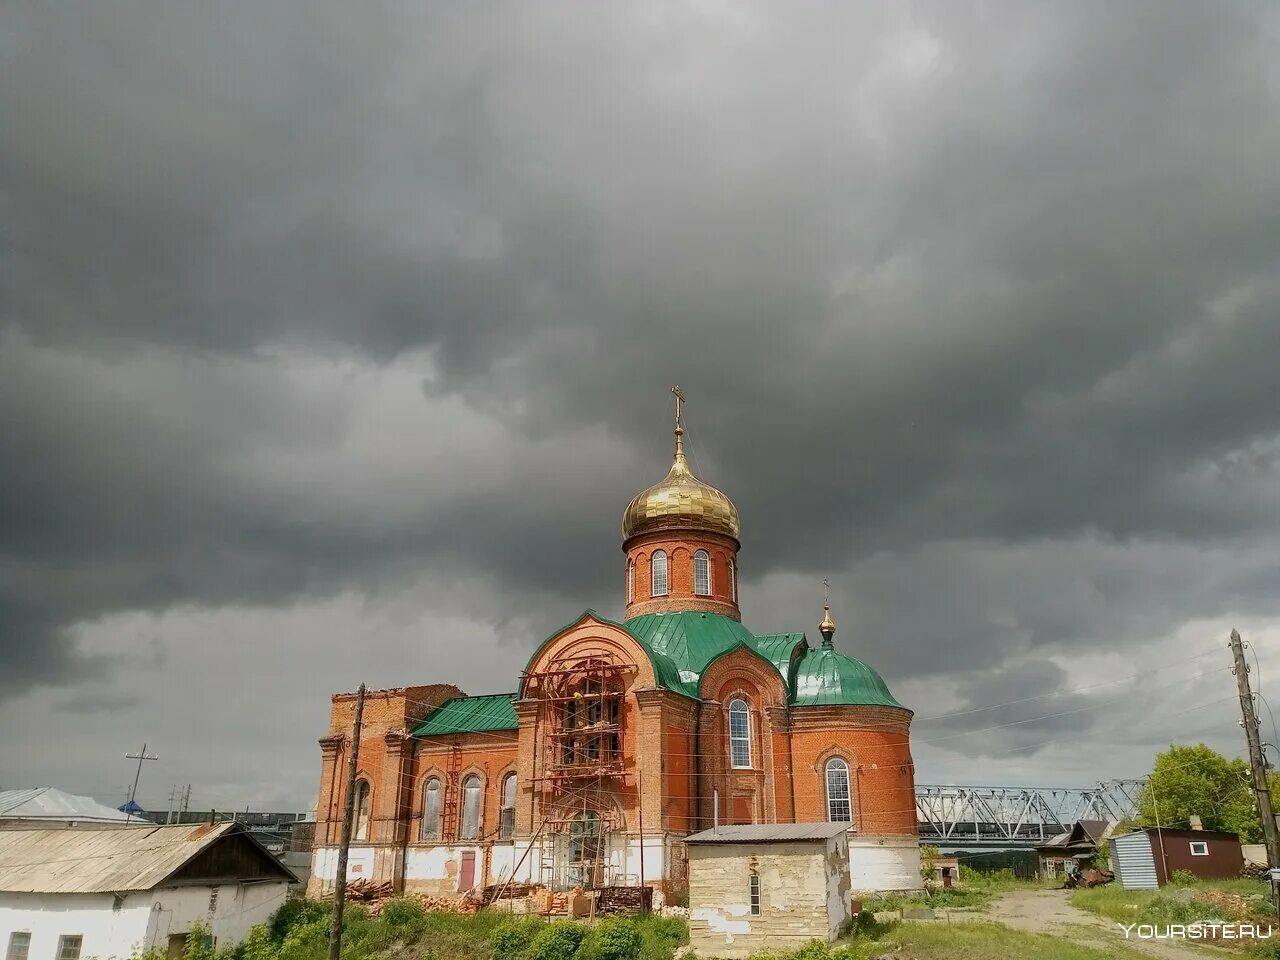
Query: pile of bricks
616, 900
366, 891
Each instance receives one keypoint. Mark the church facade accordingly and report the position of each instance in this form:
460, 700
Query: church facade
622, 736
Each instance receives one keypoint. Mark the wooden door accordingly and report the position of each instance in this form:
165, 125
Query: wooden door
467, 878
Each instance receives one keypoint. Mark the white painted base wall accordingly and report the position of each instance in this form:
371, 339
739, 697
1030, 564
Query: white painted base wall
879, 863
138, 921
444, 862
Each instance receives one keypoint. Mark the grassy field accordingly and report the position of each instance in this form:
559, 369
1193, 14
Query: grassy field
1168, 905
982, 941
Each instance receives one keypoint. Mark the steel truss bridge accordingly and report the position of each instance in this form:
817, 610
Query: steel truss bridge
1017, 816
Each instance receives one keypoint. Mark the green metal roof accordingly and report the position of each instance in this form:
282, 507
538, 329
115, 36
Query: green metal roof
826, 677
690, 639
470, 715
778, 647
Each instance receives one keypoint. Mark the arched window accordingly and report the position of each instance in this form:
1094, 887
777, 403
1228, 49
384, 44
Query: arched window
839, 804
631, 580
364, 811
431, 809
470, 808
507, 818
659, 568
739, 734
702, 574
733, 582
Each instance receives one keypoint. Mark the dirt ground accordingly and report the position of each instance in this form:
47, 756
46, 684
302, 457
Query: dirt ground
1049, 911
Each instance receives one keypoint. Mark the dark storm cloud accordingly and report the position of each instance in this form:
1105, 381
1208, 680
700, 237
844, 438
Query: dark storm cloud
977, 305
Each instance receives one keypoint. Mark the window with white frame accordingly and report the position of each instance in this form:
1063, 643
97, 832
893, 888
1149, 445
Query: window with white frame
631, 580
431, 809
69, 946
19, 945
754, 891
839, 803
702, 574
739, 734
733, 582
470, 808
364, 810
658, 567
1199, 848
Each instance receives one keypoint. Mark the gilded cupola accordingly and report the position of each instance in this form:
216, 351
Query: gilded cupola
680, 501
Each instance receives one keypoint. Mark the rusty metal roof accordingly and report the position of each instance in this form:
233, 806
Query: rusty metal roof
770, 833
105, 859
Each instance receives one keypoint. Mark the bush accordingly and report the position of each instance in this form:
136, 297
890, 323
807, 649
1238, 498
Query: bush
402, 913
616, 938
1182, 878
512, 937
556, 941
293, 913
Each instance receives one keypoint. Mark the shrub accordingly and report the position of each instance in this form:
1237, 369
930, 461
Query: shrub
1182, 878
512, 937
402, 913
616, 938
556, 941
292, 913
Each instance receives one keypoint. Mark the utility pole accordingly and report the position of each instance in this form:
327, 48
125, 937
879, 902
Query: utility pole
140, 756
186, 799
1250, 723
173, 795
340, 881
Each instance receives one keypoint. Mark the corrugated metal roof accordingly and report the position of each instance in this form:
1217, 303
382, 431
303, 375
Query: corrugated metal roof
49, 803
107, 860
769, 833
470, 715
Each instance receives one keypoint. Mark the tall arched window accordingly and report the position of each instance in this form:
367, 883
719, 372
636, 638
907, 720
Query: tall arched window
631, 580
739, 734
659, 568
507, 818
364, 811
702, 574
839, 803
470, 808
431, 809
733, 582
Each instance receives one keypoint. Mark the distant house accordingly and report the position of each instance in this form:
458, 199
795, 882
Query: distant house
765, 887
1074, 849
117, 891
50, 807
1145, 859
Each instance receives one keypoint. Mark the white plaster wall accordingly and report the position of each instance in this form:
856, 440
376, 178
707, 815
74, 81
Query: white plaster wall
139, 920
324, 863
839, 906
884, 863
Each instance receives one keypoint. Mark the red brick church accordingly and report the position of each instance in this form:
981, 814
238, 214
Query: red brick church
622, 736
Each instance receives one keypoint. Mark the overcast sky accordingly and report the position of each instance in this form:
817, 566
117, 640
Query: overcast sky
335, 337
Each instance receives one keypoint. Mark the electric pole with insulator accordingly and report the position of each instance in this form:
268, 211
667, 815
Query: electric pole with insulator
348, 812
1261, 790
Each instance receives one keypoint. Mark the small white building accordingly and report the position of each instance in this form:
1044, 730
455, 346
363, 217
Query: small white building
767, 886
110, 892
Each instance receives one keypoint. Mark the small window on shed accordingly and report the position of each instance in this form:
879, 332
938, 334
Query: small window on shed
755, 894
19, 945
1199, 848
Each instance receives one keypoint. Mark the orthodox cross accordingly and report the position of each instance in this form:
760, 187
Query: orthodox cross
826, 592
679, 401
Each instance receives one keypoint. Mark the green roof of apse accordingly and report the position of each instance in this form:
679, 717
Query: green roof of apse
690, 639
470, 715
826, 677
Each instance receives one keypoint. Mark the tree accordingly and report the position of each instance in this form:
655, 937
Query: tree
1198, 781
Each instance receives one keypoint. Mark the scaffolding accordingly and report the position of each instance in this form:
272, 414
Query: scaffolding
580, 767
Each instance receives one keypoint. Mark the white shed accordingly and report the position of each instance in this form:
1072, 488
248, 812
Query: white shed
113, 891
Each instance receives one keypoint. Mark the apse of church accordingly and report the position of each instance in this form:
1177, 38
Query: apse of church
623, 736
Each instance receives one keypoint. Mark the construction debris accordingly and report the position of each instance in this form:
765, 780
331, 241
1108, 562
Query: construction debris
366, 891
1088, 878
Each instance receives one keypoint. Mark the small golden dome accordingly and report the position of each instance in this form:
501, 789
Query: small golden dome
680, 502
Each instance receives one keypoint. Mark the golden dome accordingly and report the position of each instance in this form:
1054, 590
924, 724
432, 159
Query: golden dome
680, 502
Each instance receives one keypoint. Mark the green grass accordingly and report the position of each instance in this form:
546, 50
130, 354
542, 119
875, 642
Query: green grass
988, 941
1163, 906
954, 899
